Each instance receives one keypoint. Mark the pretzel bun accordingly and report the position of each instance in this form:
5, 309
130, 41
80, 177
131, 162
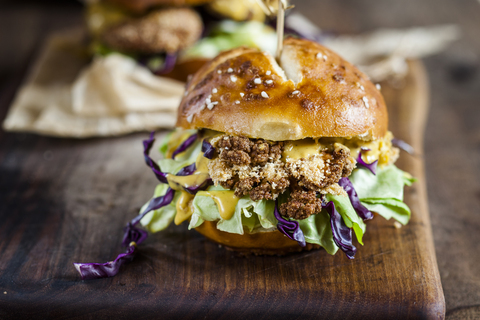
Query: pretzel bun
260, 243
310, 93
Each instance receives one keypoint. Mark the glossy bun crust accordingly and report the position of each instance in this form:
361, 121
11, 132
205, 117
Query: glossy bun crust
261, 243
312, 92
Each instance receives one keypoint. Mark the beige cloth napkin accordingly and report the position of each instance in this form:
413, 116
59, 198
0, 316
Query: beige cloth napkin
64, 96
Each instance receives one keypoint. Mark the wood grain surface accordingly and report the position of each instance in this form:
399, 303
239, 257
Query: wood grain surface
80, 193
55, 192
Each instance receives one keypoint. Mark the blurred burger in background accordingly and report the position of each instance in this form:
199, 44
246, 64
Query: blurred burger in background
174, 38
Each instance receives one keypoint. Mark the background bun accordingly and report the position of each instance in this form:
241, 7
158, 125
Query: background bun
311, 92
165, 30
261, 243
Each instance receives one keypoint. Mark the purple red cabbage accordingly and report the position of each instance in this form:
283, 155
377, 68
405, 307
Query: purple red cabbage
289, 228
370, 166
361, 210
154, 204
147, 145
168, 64
131, 233
89, 271
188, 170
403, 145
342, 235
185, 171
207, 149
204, 185
132, 237
185, 145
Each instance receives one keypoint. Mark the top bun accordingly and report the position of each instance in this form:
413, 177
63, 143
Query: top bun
311, 93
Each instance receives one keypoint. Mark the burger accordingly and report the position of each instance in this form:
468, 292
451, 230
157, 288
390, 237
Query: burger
277, 156
174, 37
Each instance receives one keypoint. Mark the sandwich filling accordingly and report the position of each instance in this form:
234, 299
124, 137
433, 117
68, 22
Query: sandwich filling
243, 182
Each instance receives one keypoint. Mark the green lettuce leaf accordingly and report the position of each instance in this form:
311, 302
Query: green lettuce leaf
229, 34
389, 208
248, 213
183, 159
172, 166
317, 230
160, 219
191, 154
388, 183
261, 210
164, 144
349, 215
383, 193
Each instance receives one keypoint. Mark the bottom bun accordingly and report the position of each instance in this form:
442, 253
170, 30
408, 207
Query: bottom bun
260, 243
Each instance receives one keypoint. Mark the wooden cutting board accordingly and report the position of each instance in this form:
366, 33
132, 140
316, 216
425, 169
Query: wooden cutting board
68, 200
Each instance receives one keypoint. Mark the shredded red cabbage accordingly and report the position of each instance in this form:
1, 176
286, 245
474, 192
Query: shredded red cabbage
147, 145
194, 189
131, 233
154, 204
370, 166
361, 210
188, 170
207, 149
185, 145
289, 228
162, 177
403, 145
90, 271
168, 64
342, 235
132, 237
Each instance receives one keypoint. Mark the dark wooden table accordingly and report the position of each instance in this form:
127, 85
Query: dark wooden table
29, 183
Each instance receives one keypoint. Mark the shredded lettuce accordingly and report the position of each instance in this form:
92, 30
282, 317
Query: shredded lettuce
388, 183
383, 193
164, 144
160, 219
349, 215
250, 214
191, 154
389, 208
317, 230
229, 34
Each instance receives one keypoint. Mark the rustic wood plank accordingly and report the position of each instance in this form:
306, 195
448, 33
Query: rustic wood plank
452, 137
66, 200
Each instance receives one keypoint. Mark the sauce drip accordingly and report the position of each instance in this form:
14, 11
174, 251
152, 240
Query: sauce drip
177, 183
183, 206
202, 164
226, 202
197, 178
301, 149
